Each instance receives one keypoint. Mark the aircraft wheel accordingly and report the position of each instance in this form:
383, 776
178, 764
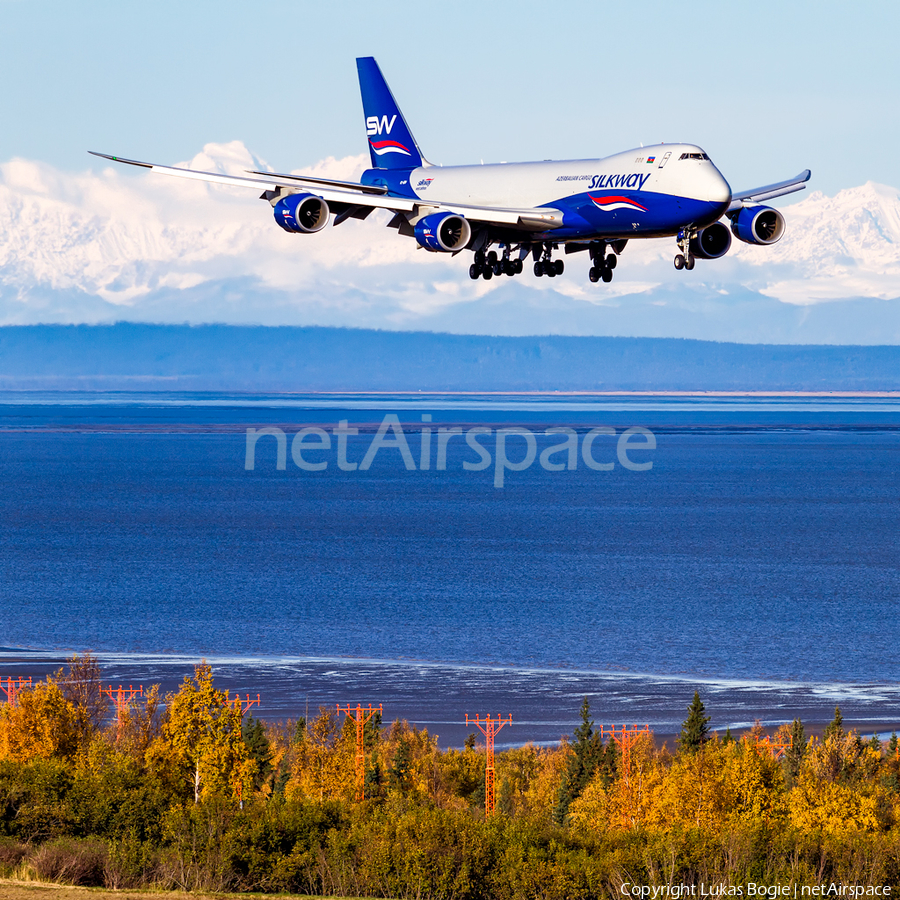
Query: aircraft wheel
594, 274
612, 261
689, 262
492, 257
488, 273
550, 268
560, 267
474, 271
538, 268
518, 266
479, 258
679, 262
509, 268
606, 275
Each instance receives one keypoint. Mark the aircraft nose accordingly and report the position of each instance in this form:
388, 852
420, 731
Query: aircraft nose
717, 188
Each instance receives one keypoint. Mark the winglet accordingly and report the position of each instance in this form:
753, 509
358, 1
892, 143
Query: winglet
119, 159
391, 143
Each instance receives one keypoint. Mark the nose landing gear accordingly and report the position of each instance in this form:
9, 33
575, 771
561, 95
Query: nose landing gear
685, 259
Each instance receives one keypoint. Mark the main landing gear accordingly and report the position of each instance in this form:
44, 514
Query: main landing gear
544, 265
603, 265
487, 265
685, 259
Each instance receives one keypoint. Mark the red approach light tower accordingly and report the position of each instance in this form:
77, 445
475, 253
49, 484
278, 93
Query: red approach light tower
243, 706
14, 687
122, 697
776, 748
360, 716
489, 728
626, 738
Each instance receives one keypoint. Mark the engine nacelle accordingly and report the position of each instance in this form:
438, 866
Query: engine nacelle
443, 232
301, 213
757, 225
711, 242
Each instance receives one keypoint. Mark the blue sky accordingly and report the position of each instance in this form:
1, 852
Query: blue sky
766, 89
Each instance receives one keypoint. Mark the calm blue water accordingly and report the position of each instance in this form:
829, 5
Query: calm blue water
762, 544
744, 551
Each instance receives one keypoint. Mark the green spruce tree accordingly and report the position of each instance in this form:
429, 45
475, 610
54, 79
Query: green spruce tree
793, 756
695, 730
589, 754
254, 734
893, 744
402, 767
835, 727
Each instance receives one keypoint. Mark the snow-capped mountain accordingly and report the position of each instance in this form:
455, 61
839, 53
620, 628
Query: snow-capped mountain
115, 244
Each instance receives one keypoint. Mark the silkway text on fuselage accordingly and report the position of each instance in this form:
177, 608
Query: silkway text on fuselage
633, 180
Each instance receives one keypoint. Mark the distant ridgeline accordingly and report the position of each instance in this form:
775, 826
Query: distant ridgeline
258, 358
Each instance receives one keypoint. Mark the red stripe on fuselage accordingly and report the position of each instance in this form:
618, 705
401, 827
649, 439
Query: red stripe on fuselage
604, 200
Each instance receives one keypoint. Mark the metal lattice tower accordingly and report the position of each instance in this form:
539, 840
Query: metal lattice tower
626, 738
776, 748
360, 716
489, 728
122, 698
243, 706
14, 687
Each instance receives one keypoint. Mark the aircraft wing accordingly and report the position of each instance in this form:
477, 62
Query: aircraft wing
758, 195
362, 195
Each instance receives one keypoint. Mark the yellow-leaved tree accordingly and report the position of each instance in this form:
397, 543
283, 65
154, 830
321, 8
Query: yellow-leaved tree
43, 724
627, 801
836, 790
201, 743
693, 791
755, 784
323, 764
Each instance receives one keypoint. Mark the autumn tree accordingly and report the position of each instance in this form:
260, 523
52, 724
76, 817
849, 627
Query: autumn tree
42, 725
201, 740
140, 724
81, 685
837, 790
323, 760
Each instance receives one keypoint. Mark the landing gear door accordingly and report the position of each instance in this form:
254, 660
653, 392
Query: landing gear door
665, 159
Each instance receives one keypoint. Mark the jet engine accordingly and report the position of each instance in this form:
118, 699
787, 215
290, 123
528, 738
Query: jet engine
443, 232
711, 242
301, 213
757, 225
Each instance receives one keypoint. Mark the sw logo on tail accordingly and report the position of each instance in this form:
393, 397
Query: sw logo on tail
523, 209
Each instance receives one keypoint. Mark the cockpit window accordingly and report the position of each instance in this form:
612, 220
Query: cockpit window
693, 156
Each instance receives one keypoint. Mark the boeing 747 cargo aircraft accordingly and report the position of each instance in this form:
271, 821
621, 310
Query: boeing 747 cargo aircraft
522, 209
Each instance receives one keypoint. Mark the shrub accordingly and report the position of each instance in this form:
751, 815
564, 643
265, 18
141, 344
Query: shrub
11, 854
70, 861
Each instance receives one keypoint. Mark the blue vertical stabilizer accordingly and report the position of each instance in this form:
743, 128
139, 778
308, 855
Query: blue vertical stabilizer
391, 143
